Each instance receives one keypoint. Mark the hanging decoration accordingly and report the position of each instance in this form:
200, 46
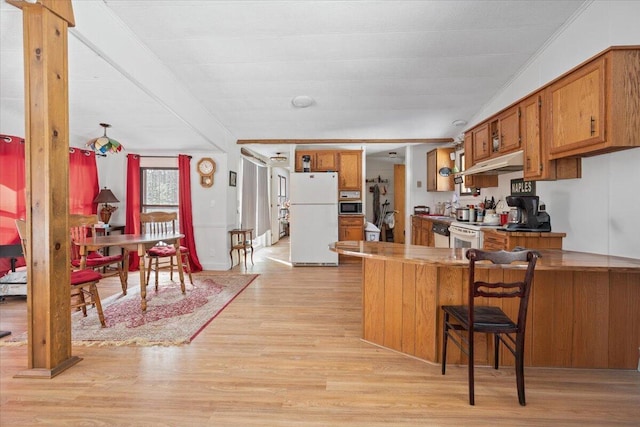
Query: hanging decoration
103, 145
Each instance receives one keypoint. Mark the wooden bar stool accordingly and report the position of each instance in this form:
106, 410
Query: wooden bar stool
241, 240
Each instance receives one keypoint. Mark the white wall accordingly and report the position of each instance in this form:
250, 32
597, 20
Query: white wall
598, 211
420, 195
275, 173
214, 208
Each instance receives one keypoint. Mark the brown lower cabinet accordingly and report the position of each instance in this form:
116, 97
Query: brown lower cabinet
495, 240
421, 231
350, 227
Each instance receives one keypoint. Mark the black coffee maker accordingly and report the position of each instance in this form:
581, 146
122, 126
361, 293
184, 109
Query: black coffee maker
532, 218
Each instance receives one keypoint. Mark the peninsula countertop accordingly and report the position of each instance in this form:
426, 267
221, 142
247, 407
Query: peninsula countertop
550, 259
583, 311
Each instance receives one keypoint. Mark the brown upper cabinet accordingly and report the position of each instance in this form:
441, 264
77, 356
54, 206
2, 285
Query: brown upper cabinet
537, 164
321, 161
350, 170
505, 132
475, 181
347, 163
592, 109
481, 147
440, 170
595, 108
326, 161
300, 154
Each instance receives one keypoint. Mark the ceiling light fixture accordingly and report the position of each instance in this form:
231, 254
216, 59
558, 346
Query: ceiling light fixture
302, 101
393, 154
278, 158
103, 145
459, 122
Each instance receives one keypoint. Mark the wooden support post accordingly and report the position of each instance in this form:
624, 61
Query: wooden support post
47, 168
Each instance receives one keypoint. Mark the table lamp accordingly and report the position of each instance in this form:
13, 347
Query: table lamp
105, 197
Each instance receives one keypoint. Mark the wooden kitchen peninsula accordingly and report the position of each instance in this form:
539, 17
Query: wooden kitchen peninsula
584, 309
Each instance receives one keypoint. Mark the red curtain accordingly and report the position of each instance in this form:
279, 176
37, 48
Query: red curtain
132, 214
186, 215
83, 181
83, 187
12, 193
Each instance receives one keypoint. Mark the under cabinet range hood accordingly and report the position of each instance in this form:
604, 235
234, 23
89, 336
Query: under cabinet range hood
512, 162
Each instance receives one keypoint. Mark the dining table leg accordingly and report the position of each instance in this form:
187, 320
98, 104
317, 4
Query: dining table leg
125, 270
180, 271
143, 285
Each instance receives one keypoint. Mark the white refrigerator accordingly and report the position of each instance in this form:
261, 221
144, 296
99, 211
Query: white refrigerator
313, 218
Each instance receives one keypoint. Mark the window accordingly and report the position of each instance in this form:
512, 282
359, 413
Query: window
462, 190
159, 189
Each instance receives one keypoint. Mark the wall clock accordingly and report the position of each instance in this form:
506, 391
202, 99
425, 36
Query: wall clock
206, 169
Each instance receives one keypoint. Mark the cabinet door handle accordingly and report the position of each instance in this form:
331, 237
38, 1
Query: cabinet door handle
528, 163
593, 126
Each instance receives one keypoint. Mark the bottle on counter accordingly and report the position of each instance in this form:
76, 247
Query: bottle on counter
479, 215
472, 214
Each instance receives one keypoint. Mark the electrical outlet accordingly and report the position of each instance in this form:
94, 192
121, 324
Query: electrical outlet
419, 184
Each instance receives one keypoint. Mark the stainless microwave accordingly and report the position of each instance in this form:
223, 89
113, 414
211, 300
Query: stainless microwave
350, 208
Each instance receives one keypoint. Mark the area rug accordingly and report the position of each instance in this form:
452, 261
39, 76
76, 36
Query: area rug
171, 318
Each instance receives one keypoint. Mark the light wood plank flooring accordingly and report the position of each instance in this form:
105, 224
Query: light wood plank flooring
287, 352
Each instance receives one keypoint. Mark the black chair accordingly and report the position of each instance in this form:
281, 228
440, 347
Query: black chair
461, 321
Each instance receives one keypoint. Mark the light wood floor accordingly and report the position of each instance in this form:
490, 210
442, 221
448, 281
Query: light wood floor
287, 352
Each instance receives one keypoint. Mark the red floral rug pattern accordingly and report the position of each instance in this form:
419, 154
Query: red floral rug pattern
164, 306
171, 318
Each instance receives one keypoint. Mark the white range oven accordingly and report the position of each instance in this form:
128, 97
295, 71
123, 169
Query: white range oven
468, 234
462, 235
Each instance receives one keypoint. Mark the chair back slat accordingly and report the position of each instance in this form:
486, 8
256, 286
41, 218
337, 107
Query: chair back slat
80, 227
520, 289
158, 222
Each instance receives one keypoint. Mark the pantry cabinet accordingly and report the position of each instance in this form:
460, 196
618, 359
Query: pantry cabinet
594, 109
440, 170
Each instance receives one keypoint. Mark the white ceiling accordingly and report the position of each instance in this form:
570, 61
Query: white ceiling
181, 76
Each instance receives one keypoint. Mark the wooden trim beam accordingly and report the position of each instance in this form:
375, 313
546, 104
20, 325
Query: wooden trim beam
346, 141
47, 175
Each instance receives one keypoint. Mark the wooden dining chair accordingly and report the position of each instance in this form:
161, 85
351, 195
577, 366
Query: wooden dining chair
163, 256
82, 226
83, 289
461, 321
